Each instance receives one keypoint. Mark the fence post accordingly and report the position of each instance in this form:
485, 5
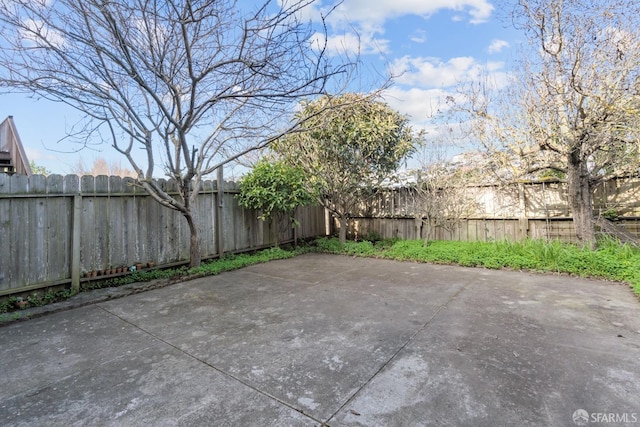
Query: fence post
75, 243
523, 219
219, 211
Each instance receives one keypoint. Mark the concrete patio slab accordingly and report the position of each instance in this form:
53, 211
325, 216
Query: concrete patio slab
525, 350
333, 340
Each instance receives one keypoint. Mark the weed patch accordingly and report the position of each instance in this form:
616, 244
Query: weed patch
217, 266
610, 261
34, 299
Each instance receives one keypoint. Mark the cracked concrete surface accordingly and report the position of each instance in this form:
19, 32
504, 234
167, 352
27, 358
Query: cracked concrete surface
332, 340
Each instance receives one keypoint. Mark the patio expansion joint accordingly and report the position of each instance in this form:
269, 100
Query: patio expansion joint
215, 368
399, 350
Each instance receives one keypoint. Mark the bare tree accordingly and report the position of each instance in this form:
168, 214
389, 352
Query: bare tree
441, 197
574, 104
190, 84
102, 167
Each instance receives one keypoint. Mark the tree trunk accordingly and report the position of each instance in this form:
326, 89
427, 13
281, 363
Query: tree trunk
580, 202
418, 224
426, 231
195, 256
343, 228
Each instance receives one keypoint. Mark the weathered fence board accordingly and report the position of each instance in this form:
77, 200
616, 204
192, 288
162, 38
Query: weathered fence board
526, 209
119, 225
475, 229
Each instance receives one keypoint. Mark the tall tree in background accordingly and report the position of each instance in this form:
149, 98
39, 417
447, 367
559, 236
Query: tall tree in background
574, 104
190, 84
38, 170
348, 150
102, 167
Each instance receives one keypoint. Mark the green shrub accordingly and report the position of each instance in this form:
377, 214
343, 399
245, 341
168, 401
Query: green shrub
331, 245
372, 236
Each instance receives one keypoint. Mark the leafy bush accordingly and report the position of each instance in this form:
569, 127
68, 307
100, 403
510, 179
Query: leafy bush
275, 187
326, 244
372, 236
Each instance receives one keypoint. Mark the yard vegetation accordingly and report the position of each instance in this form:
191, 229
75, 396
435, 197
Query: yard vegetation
610, 261
210, 268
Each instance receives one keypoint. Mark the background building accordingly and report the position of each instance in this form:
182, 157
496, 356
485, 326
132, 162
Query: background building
12, 155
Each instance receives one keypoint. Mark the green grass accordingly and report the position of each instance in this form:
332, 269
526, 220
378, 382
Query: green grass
234, 262
217, 266
610, 260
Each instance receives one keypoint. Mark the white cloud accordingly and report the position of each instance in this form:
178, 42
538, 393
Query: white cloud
496, 45
419, 36
433, 72
363, 11
422, 84
350, 43
39, 155
356, 23
39, 33
426, 84
418, 104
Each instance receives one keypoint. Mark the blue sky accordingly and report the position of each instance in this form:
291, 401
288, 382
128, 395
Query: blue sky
431, 44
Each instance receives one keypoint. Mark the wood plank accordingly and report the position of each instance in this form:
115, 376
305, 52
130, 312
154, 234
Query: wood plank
76, 243
5, 183
88, 233
36, 232
7, 227
116, 221
142, 232
20, 242
102, 207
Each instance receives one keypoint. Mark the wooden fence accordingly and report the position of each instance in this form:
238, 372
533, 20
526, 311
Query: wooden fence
54, 229
536, 210
478, 229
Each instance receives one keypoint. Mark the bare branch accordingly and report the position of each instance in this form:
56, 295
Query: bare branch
192, 83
